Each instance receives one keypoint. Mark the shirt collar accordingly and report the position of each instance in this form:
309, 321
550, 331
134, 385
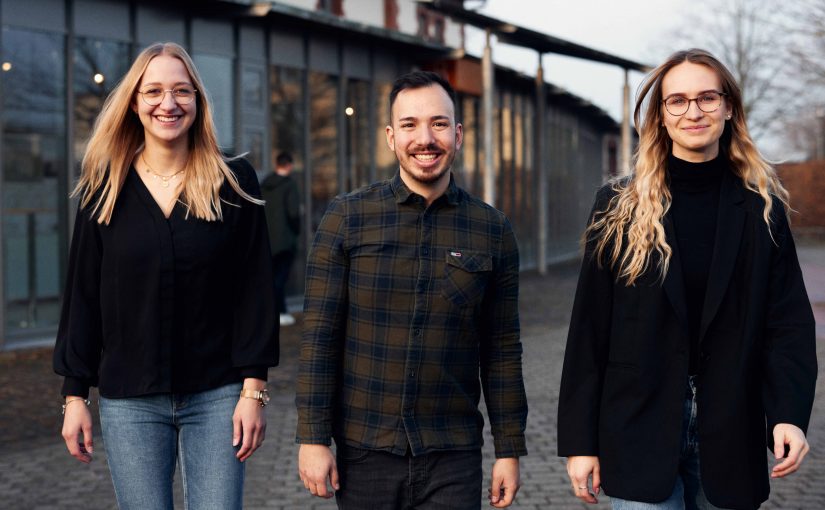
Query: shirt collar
403, 193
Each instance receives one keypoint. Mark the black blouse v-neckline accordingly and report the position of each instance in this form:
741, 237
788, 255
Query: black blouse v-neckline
147, 197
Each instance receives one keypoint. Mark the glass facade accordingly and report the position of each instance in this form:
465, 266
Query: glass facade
216, 73
98, 65
314, 94
323, 142
287, 128
356, 113
385, 163
34, 185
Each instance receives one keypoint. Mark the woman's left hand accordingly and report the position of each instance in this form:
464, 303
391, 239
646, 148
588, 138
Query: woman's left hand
248, 425
791, 435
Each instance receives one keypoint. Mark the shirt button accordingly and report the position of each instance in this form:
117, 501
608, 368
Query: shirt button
412, 373
417, 332
425, 251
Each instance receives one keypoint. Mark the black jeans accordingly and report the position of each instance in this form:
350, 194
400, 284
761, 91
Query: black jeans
376, 480
281, 264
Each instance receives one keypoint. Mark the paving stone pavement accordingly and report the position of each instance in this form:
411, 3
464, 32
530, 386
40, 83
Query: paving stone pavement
37, 473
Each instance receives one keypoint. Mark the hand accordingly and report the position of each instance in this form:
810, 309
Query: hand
580, 468
506, 482
791, 435
76, 420
316, 465
248, 427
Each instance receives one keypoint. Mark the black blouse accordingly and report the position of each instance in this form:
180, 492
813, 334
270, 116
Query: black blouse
177, 305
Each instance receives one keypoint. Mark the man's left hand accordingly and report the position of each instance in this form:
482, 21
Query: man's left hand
791, 435
506, 482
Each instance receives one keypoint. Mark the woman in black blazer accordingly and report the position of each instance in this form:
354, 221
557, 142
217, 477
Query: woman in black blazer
691, 328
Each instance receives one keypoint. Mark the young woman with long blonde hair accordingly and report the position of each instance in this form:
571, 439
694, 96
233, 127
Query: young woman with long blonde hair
691, 328
166, 309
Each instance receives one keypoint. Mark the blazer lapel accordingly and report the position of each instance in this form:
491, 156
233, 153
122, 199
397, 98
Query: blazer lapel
729, 226
674, 284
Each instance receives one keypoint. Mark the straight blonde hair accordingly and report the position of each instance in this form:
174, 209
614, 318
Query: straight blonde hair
118, 137
630, 229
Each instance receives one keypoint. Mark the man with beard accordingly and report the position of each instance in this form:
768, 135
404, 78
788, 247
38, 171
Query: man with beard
411, 311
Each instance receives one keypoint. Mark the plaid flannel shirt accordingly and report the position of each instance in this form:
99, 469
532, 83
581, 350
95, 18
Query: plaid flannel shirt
405, 305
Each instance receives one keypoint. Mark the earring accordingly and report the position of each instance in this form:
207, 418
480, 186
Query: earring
728, 116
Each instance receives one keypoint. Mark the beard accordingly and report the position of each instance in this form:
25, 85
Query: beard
424, 177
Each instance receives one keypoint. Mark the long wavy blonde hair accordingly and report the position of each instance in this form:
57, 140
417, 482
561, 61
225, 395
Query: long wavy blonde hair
118, 137
630, 230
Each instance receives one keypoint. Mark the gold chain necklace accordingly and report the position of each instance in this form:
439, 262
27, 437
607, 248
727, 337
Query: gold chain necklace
164, 179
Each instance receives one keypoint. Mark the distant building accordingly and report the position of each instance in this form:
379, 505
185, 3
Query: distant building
307, 76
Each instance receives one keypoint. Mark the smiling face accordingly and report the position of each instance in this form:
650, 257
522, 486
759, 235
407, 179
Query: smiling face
424, 136
695, 134
167, 123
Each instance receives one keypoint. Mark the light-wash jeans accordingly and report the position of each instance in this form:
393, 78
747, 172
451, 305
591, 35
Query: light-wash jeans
687, 493
145, 436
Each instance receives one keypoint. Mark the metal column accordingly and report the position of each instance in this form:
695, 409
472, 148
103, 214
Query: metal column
487, 115
625, 162
540, 167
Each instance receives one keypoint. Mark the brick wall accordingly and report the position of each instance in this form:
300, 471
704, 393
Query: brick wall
806, 184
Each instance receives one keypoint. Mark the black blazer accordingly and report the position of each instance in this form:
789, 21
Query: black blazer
626, 364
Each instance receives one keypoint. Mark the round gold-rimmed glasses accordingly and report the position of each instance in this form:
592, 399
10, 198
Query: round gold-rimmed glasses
153, 96
708, 102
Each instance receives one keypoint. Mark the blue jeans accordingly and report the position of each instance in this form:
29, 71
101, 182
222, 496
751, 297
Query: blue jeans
687, 493
145, 436
376, 480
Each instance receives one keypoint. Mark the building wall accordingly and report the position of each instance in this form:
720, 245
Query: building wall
319, 93
301, 4
806, 188
370, 12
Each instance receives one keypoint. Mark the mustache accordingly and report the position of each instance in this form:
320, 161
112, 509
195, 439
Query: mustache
427, 148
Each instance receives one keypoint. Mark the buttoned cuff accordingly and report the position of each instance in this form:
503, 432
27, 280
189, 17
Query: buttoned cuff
75, 386
314, 433
510, 446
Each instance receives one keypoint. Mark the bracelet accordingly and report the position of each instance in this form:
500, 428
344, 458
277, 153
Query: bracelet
85, 400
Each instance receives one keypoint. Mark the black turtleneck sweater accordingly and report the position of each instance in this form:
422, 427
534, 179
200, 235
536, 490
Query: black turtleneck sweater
695, 191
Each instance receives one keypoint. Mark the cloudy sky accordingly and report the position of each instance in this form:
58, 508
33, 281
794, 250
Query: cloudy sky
647, 31
634, 29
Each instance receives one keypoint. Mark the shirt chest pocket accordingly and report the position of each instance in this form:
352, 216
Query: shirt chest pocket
466, 275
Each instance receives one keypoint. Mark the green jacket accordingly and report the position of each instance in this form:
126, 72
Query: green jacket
283, 215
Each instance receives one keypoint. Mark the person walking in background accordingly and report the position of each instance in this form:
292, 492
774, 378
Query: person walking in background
283, 217
691, 328
163, 309
411, 294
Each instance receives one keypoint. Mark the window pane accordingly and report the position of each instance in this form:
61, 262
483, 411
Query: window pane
34, 183
323, 128
98, 67
357, 123
386, 165
287, 129
216, 73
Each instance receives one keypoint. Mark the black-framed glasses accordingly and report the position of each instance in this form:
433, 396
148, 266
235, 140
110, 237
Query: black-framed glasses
708, 102
153, 96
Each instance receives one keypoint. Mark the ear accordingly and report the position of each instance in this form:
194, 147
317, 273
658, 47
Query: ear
390, 138
459, 135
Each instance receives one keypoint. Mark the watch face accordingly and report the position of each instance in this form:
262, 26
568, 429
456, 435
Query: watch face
265, 397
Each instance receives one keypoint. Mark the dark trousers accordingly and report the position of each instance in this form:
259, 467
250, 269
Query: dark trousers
376, 480
281, 264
